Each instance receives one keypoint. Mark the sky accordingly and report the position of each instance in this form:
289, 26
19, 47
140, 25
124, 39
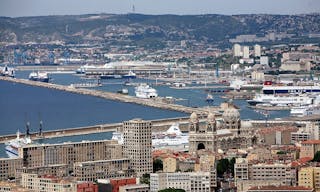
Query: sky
19, 8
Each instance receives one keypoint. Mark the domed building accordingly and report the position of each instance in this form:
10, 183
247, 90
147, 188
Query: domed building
220, 135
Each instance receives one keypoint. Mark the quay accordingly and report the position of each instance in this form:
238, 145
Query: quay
158, 125
202, 87
271, 108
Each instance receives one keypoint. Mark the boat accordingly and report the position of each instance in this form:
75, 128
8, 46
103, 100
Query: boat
281, 100
12, 146
130, 75
123, 91
39, 76
144, 91
84, 68
301, 111
209, 98
7, 71
114, 76
279, 89
172, 138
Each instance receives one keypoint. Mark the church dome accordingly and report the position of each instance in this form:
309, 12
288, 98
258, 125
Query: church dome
246, 124
231, 114
211, 117
194, 117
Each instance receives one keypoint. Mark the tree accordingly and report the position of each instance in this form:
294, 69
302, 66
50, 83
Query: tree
222, 166
231, 163
157, 165
316, 157
145, 179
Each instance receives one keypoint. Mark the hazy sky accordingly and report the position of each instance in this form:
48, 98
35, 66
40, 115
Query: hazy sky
16, 8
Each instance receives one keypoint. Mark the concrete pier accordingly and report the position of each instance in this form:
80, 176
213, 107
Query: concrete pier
115, 96
158, 125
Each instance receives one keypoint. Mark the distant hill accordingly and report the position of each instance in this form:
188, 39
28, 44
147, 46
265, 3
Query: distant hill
141, 28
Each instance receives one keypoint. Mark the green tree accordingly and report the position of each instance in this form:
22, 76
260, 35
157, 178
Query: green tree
157, 165
145, 179
222, 166
316, 157
231, 163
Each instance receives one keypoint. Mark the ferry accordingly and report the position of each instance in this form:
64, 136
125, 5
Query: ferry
301, 111
281, 100
144, 91
39, 76
172, 138
12, 146
277, 89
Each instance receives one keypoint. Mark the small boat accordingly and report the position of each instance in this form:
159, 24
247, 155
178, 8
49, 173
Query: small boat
209, 98
39, 76
123, 91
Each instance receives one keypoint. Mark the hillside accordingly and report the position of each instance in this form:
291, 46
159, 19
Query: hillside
136, 28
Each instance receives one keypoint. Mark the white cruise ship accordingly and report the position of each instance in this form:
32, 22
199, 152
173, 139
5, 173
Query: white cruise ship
145, 91
313, 109
172, 138
12, 146
281, 100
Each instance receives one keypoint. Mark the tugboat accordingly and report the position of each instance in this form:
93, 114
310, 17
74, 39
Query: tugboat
209, 98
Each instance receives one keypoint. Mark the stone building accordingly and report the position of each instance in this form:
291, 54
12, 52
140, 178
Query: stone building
216, 135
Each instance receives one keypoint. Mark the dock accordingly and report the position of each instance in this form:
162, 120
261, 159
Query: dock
158, 125
115, 96
202, 87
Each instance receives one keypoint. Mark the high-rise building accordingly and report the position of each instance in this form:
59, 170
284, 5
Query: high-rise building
246, 52
257, 50
237, 50
137, 145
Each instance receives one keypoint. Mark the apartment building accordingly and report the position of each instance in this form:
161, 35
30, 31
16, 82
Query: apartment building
41, 155
102, 169
8, 167
137, 145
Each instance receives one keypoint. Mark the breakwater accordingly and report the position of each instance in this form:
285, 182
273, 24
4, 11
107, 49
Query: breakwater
115, 96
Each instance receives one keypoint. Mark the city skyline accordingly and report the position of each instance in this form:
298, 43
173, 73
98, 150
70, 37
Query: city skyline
15, 8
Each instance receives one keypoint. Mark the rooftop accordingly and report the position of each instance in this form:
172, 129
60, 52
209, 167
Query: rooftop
311, 142
280, 188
